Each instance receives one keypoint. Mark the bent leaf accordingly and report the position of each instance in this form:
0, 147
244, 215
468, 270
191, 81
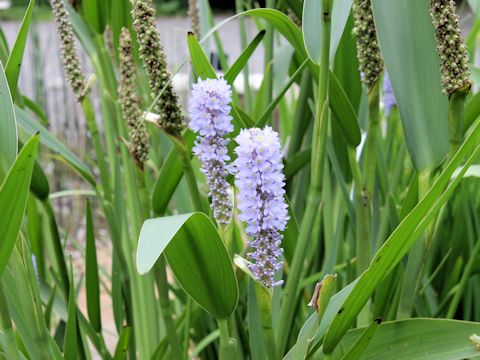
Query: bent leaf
8, 126
197, 257
13, 199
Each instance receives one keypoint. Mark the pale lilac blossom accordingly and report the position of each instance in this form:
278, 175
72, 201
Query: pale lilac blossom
260, 181
209, 112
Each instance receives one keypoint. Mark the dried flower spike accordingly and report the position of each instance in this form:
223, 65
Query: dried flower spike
153, 56
368, 51
194, 15
71, 63
209, 112
260, 181
451, 47
128, 98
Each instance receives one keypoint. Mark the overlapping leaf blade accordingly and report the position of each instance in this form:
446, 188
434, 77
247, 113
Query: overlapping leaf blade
197, 257
407, 42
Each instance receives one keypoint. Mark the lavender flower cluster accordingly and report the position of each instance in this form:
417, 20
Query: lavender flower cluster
260, 181
257, 169
209, 111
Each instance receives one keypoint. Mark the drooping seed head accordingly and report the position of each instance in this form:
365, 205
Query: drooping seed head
129, 102
451, 49
71, 62
153, 56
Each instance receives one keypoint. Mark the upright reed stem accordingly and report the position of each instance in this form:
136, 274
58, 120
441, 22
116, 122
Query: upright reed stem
456, 112
320, 131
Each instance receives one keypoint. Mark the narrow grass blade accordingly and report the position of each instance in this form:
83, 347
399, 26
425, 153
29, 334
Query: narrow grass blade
27, 123
12, 69
358, 348
232, 73
92, 278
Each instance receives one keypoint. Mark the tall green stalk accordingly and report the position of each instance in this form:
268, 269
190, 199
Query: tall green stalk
320, 131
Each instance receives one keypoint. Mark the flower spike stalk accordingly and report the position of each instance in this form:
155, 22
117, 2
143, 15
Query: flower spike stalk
153, 56
128, 98
260, 181
209, 112
317, 163
71, 62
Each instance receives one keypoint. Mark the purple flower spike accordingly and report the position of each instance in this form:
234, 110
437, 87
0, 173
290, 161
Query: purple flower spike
260, 181
209, 111
389, 100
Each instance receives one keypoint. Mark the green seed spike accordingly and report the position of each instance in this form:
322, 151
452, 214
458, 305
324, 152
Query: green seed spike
153, 56
71, 62
128, 98
368, 51
451, 47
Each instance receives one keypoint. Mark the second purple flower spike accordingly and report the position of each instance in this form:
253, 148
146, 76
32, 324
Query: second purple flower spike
260, 181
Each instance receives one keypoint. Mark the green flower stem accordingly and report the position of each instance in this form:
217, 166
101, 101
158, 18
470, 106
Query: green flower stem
370, 162
189, 174
264, 301
413, 270
456, 112
268, 59
8, 343
97, 145
166, 309
243, 44
320, 131
227, 344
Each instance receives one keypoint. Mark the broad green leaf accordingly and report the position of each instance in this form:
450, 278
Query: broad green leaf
312, 26
8, 126
12, 69
13, 198
407, 42
92, 280
402, 239
197, 257
419, 339
30, 126
232, 73
169, 176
